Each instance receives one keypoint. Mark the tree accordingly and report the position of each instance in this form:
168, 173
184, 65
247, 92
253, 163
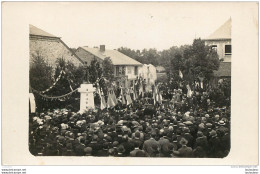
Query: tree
135, 54
108, 69
95, 71
200, 61
194, 61
167, 57
40, 73
150, 56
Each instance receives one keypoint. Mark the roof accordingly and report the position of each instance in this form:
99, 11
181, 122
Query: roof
39, 32
223, 32
224, 70
116, 57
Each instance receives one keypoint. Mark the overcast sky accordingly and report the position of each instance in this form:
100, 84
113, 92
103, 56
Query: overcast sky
133, 25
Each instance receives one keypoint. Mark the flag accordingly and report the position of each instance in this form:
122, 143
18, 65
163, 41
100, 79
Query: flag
155, 94
141, 89
128, 99
98, 90
180, 74
189, 93
110, 102
122, 97
159, 98
133, 93
103, 101
197, 84
113, 95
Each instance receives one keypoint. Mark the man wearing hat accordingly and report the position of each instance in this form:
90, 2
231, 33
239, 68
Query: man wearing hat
134, 153
151, 146
214, 145
163, 140
225, 143
201, 141
184, 151
88, 151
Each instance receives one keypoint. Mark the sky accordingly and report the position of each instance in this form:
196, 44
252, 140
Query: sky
136, 25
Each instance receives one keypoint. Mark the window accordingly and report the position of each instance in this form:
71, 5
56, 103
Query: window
117, 71
123, 70
214, 47
129, 70
228, 50
136, 70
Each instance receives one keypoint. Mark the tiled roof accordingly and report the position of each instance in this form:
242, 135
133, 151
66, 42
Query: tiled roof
223, 32
116, 57
39, 32
224, 70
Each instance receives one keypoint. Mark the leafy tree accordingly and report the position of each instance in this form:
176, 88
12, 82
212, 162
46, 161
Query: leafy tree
135, 54
108, 69
200, 61
167, 57
195, 61
95, 71
145, 56
150, 56
40, 73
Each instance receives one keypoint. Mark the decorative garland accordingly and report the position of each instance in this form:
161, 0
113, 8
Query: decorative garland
55, 97
54, 84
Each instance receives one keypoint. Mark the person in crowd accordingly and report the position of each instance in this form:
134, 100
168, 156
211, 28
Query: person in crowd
189, 127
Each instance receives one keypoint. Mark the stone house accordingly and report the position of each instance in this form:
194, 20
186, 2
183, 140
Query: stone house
50, 47
126, 69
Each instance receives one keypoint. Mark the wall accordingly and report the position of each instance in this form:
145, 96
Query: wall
51, 50
130, 72
151, 74
221, 48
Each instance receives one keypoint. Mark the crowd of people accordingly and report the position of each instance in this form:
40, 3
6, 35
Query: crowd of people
197, 127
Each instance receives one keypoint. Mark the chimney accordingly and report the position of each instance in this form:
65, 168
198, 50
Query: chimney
102, 48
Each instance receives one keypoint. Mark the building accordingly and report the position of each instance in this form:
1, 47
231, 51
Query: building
220, 40
50, 47
126, 69
148, 72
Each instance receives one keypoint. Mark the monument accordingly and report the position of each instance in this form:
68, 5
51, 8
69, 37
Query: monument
86, 97
86, 94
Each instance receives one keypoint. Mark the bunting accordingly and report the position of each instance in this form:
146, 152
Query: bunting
54, 84
61, 98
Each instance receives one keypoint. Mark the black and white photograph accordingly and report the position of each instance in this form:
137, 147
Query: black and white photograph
124, 101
